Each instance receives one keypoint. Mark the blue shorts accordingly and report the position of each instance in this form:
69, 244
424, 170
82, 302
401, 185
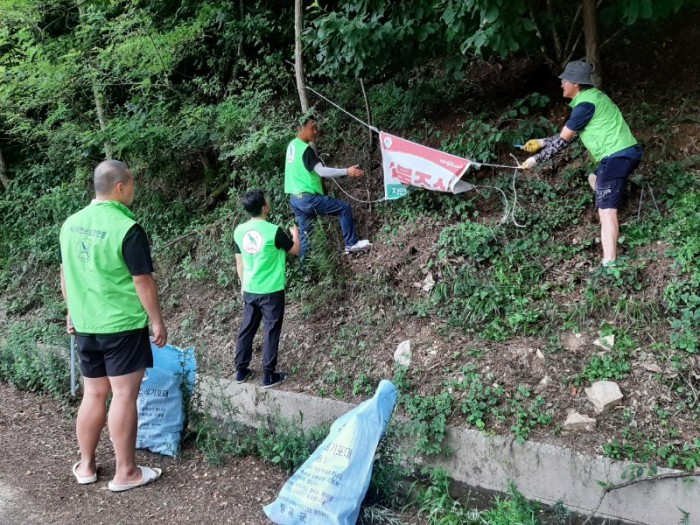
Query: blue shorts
114, 354
611, 179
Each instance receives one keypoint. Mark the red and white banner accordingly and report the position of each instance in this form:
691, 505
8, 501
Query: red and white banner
407, 163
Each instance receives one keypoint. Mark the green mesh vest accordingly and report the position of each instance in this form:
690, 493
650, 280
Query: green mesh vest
297, 179
102, 298
263, 263
607, 132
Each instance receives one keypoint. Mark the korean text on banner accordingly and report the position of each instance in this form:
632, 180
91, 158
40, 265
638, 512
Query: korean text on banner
407, 163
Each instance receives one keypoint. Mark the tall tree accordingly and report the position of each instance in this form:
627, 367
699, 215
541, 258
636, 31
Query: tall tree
98, 96
590, 29
298, 59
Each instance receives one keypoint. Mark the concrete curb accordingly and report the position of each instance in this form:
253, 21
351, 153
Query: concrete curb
545, 473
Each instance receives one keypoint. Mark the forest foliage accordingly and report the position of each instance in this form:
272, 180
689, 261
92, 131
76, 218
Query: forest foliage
199, 98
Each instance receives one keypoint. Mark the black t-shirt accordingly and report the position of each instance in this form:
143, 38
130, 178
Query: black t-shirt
282, 241
136, 251
310, 159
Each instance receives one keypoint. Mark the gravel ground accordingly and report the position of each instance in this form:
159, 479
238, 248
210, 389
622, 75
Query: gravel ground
38, 448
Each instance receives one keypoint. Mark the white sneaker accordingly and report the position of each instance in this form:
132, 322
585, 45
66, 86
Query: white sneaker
364, 244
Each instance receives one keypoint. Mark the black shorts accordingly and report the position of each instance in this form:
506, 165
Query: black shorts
114, 354
611, 179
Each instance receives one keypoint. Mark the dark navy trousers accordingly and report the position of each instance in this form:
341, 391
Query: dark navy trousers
268, 308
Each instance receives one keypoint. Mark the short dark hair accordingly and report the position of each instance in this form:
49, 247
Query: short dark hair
306, 118
253, 202
108, 174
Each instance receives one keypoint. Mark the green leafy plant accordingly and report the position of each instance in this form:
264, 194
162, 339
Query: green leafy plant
514, 509
470, 240
286, 444
429, 415
34, 356
479, 400
434, 503
529, 413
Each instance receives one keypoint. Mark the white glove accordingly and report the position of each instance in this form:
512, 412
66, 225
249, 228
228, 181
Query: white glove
529, 163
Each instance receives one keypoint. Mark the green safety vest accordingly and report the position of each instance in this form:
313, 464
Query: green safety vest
297, 179
101, 295
607, 132
263, 263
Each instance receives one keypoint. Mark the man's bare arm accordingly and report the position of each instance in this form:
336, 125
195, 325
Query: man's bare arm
147, 290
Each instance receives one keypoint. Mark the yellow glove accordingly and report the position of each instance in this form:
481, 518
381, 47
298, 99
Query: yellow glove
529, 163
533, 145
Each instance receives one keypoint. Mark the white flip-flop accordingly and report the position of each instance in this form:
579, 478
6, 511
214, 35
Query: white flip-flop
149, 475
84, 480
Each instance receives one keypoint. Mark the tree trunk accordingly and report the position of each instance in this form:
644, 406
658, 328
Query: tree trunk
590, 29
99, 99
99, 107
368, 111
298, 62
3, 172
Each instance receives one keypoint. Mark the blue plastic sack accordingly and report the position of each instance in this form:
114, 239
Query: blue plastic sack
329, 487
161, 403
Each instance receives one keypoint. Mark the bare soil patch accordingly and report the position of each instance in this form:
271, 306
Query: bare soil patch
37, 437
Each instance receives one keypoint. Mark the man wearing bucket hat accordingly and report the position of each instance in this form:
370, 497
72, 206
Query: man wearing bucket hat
607, 137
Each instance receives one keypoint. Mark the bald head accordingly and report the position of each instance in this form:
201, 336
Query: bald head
111, 177
107, 174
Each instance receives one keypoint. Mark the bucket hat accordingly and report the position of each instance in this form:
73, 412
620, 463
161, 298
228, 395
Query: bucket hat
578, 72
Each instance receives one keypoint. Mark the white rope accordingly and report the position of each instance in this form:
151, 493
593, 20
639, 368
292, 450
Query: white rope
341, 109
515, 196
478, 165
356, 199
505, 199
508, 213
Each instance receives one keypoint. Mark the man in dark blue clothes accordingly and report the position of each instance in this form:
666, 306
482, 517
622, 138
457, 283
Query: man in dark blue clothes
607, 137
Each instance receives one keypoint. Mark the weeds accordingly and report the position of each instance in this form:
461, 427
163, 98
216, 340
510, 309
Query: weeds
286, 444
479, 400
435, 504
529, 413
514, 509
36, 357
429, 415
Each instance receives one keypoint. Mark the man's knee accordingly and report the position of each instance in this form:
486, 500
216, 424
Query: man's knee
591, 180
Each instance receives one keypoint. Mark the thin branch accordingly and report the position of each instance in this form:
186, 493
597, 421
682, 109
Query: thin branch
573, 25
298, 56
573, 49
199, 231
608, 489
368, 111
613, 36
555, 34
547, 58
160, 58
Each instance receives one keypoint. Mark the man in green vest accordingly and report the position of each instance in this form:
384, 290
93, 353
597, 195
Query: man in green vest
302, 182
607, 137
261, 250
110, 295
